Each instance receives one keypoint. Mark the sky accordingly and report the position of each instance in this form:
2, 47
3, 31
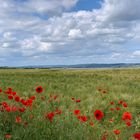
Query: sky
57, 32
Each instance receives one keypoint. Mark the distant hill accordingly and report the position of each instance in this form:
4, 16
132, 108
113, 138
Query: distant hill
94, 65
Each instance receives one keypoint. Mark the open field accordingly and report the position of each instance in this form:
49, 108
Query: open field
100, 89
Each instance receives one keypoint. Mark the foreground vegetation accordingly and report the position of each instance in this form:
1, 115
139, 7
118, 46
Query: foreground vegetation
70, 104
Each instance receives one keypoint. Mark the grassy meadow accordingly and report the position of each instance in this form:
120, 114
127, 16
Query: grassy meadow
96, 89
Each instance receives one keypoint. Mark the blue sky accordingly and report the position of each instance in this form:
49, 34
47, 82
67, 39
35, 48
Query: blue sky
87, 5
57, 32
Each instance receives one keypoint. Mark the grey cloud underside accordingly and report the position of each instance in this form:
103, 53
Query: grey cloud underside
103, 32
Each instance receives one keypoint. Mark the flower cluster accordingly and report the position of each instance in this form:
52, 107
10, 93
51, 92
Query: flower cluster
103, 117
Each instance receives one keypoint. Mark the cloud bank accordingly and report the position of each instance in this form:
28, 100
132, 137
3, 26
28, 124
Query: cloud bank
50, 32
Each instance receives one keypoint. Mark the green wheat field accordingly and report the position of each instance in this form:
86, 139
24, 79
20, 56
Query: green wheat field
52, 114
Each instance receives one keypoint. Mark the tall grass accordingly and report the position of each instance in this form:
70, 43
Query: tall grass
120, 84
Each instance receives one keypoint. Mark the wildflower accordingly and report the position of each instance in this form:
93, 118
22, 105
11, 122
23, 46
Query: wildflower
98, 114
105, 135
91, 124
73, 98
18, 119
76, 112
8, 136
2, 109
14, 108
0, 90
39, 89
8, 109
25, 123
82, 118
78, 101
29, 102
10, 97
137, 135
112, 103
124, 104
54, 97
118, 108
50, 116
8, 91
4, 104
22, 109
24, 102
120, 102
14, 93
117, 132
128, 123
111, 120
104, 91
33, 97
112, 109
17, 99
58, 111
126, 116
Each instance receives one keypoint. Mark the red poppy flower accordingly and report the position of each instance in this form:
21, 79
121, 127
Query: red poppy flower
50, 116
18, 119
58, 111
112, 103
104, 91
111, 120
112, 109
78, 101
2, 109
4, 104
14, 93
76, 112
124, 104
105, 135
120, 102
8, 136
39, 89
137, 135
98, 114
29, 102
33, 97
126, 116
14, 108
73, 98
24, 102
118, 108
54, 97
91, 124
22, 109
128, 123
8, 91
8, 109
17, 99
10, 97
0, 90
25, 123
82, 118
117, 132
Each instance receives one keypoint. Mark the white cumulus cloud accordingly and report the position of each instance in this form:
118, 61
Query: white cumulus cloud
48, 29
